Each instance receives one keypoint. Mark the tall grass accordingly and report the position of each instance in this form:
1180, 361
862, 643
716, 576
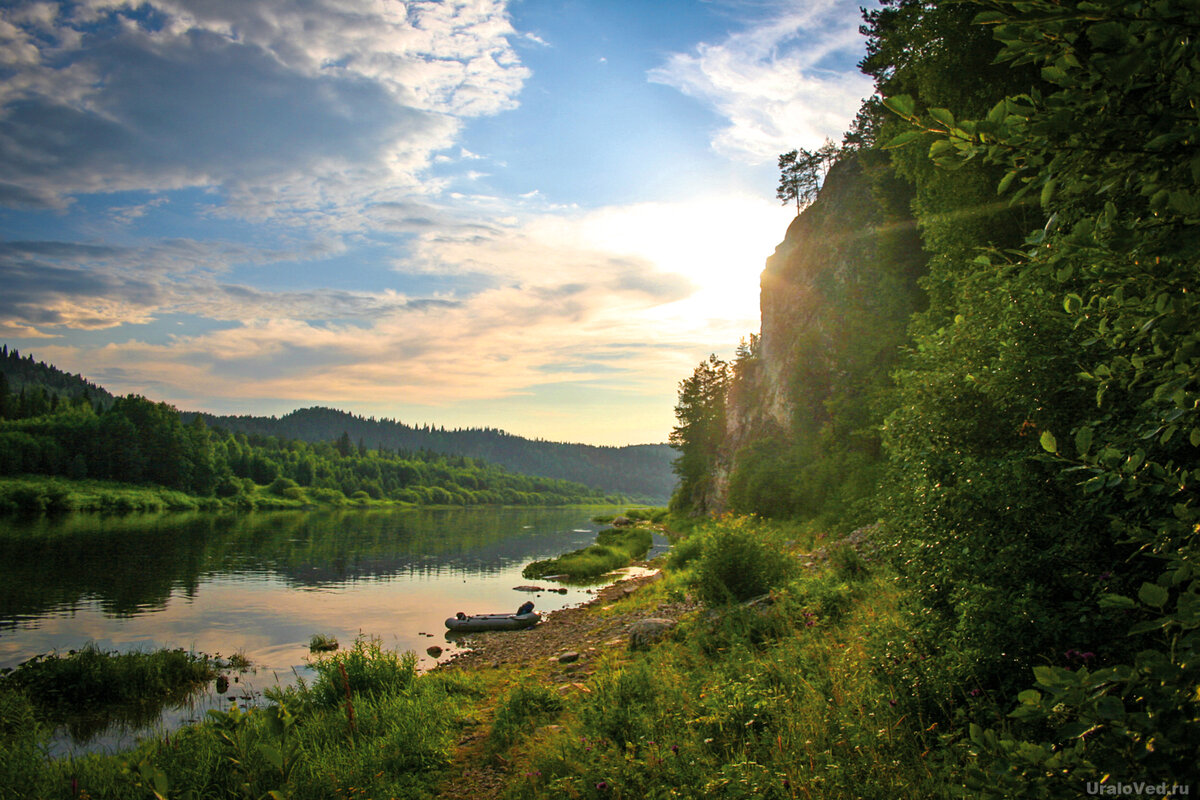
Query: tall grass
302, 745
90, 689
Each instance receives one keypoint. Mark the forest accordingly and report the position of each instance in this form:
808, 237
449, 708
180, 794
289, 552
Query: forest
999, 363
137, 441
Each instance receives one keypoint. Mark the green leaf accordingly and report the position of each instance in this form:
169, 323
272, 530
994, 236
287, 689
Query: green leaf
1153, 595
1049, 443
1072, 303
1083, 440
901, 104
1072, 730
1006, 181
902, 139
1194, 437
943, 116
1030, 697
1045, 676
990, 18
1116, 601
1110, 707
1148, 626
1048, 191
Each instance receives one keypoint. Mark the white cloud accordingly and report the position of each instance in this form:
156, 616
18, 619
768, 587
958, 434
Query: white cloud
283, 105
774, 83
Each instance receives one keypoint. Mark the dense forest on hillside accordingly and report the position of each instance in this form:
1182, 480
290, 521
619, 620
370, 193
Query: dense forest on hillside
1017, 399
636, 470
134, 440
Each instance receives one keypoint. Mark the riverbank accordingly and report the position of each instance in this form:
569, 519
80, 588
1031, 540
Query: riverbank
738, 688
38, 494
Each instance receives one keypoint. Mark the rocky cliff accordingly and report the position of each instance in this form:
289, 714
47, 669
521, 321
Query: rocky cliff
835, 300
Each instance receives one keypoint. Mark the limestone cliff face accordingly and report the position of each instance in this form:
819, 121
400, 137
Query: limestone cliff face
835, 299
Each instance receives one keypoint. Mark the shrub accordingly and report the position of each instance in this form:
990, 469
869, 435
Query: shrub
737, 564
685, 552
281, 485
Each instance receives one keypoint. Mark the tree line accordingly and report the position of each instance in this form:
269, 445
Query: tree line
135, 440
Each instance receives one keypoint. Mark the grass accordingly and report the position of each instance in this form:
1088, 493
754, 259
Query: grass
614, 548
364, 727
789, 699
322, 642
778, 701
88, 690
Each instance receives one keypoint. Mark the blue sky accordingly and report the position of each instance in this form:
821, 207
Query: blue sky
537, 215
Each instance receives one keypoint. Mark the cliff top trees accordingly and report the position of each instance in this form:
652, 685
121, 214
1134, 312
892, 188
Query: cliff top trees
801, 173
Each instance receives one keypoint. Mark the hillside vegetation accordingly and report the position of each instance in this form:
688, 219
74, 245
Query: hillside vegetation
1017, 400
135, 441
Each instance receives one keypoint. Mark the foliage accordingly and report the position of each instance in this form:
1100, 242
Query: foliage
738, 562
88, 689
365, 668
1103, 485
139, 442
614, 548
731, 713
699, 434
801, 172
322, 642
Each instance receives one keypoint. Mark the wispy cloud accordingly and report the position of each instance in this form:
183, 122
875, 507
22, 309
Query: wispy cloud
787, 82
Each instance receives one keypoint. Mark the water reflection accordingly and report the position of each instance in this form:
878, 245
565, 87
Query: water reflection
263, 584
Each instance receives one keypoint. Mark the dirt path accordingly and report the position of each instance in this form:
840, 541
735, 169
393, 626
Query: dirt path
587, 631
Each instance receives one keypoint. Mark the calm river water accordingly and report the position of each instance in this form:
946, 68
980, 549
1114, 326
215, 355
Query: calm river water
262, 584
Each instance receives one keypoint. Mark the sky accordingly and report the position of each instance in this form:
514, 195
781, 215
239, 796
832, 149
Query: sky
536, 215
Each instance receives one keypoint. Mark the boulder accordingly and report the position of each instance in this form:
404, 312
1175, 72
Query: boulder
621, 522
646, 632
567, 658
529, 589
434, 650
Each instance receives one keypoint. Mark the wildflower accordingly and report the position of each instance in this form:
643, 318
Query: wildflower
675, 749
602, 786
974, 693
892, 703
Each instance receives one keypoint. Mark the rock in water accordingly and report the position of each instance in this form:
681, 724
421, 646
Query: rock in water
434, 650
646, 632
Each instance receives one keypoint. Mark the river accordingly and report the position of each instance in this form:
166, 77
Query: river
262, 584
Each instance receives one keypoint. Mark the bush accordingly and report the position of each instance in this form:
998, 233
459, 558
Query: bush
281, 485
685, 552
737, 564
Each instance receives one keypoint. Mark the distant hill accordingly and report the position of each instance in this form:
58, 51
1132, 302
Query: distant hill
639, 470
642, 471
